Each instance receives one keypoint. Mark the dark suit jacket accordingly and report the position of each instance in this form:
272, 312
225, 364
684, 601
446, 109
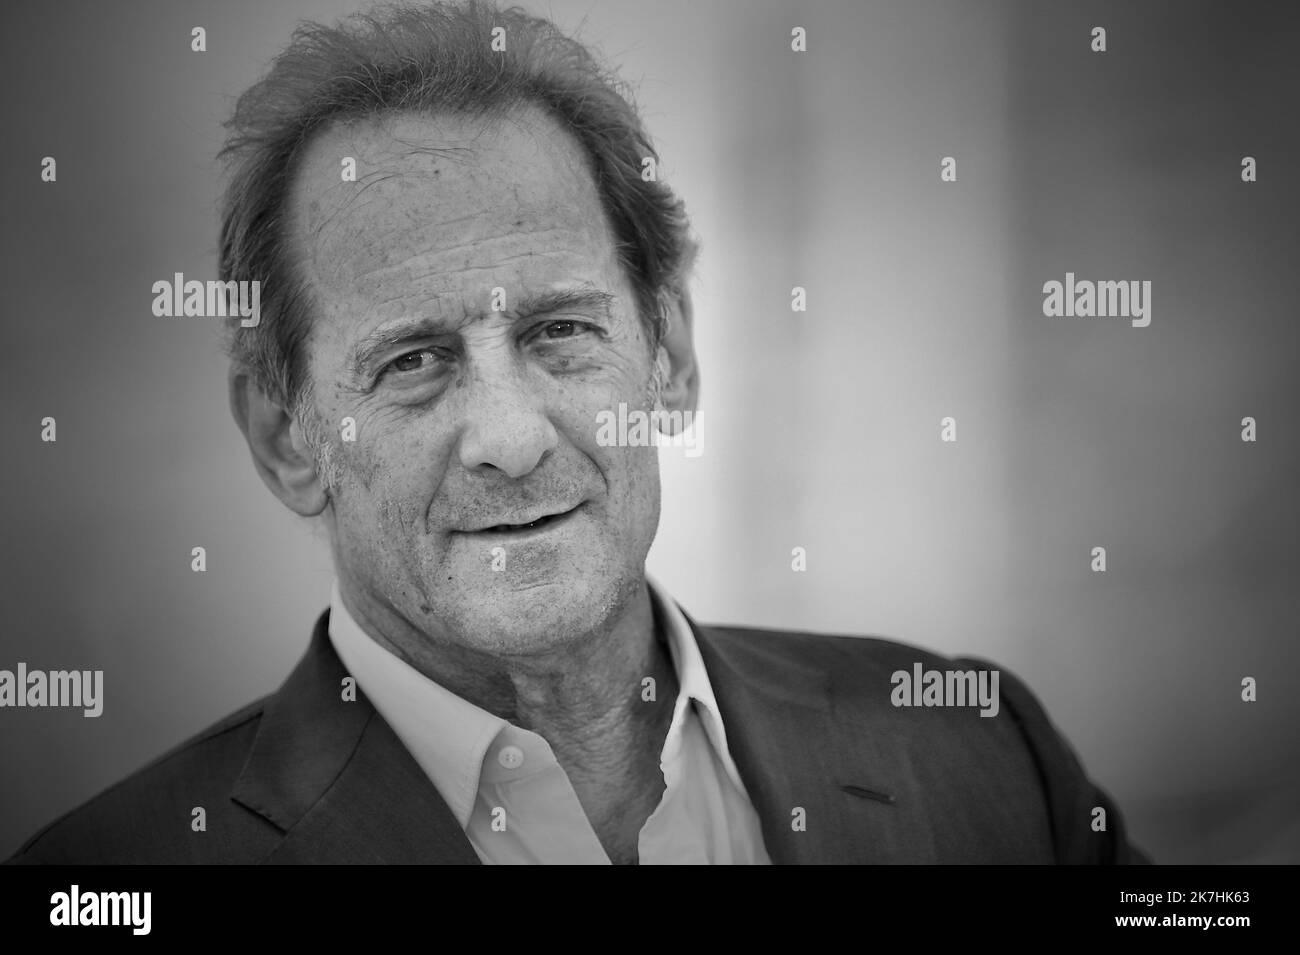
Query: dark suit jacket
304, 776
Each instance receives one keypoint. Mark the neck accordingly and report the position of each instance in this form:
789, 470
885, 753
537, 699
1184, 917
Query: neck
584, 697
585, 693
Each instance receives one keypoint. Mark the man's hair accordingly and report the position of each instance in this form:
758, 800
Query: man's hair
431, 58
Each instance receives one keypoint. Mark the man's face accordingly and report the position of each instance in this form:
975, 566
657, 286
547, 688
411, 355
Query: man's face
466, 418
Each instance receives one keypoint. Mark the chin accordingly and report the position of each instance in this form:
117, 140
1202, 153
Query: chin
524, 618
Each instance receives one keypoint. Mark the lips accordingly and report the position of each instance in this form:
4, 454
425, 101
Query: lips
506, 528
526, 522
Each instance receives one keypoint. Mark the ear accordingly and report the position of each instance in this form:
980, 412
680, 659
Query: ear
280, 454
677, 354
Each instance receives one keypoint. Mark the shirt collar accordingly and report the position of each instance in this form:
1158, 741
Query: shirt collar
448, 735
451, 738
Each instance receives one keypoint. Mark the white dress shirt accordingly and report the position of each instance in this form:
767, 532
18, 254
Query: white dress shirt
515, 801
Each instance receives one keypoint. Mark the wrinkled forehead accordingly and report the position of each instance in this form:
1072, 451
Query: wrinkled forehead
440, 187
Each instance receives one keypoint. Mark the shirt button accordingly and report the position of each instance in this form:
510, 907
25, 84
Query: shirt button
511, 757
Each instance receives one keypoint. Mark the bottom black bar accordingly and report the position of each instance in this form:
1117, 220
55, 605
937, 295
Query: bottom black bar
331, 905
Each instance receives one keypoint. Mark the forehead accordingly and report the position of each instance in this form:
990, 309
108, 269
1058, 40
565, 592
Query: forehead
445, 208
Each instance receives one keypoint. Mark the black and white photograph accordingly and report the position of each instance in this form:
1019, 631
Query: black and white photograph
748, 432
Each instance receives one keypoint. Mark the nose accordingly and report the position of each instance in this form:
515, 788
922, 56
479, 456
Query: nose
505, 427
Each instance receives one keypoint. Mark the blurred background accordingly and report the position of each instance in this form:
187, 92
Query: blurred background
821, 429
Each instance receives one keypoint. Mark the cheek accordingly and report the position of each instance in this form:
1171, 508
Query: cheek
382, 515
578, 404
582, 413
392, 471
632, 482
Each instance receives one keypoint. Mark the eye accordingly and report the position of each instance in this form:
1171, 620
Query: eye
563, 329
420, 359
409, 362
560, 329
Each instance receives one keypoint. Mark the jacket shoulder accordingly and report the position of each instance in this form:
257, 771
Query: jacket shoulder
863, 655
1019, 749
148, 817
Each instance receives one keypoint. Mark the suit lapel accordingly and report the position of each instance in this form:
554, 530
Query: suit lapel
783, 733
768, 708
332, 774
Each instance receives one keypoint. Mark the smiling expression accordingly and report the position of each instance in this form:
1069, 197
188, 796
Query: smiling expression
471, 317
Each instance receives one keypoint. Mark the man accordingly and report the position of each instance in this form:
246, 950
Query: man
496, 679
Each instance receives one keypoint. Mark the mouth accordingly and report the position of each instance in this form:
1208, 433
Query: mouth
544, 522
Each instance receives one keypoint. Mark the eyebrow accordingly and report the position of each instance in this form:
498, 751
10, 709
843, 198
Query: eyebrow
581, 297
